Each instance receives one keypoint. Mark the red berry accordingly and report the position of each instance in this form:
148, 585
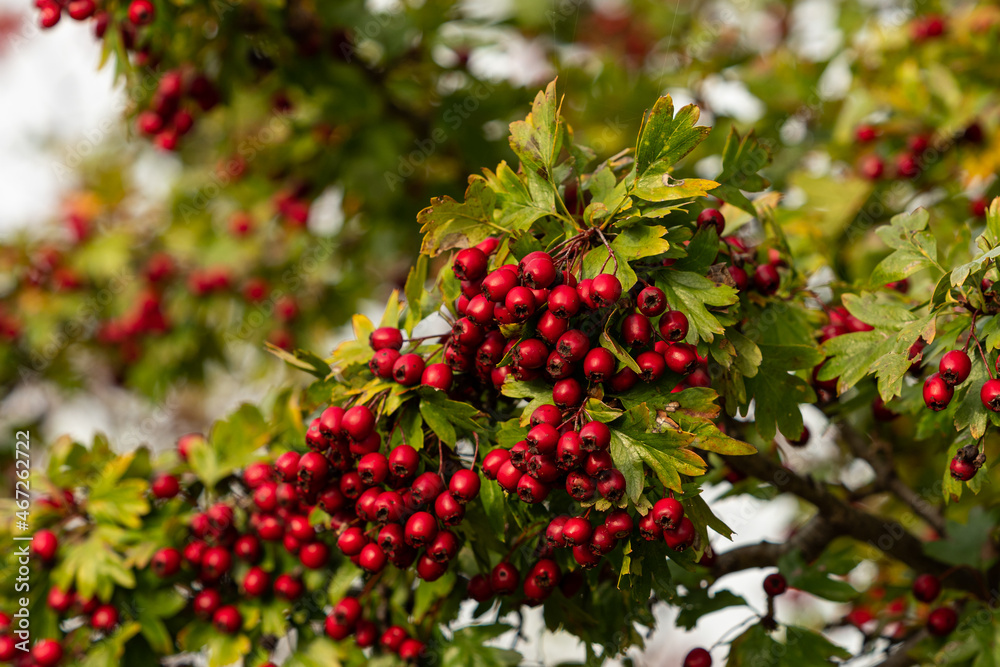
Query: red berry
577, 531
619, 523
926, 587
382, 363
551, 328
421, 529
449, 510
429, 569
411, 650
373, 468
256, 582
408, 369
365, 633
314, 555
605, 290
651, 366
347, 612
393, 638
227, 619
403, 462
584, 557
937, 393
493, 461
651, 301
681, 358
470, 264
955, 367
941, 621
288, 587
386, 338
567, 393
529, 353
215, 563
698, 657
766, 279
649, 529
569, 450
595, 436
479, 588
667, 513
388, 506
681, 537
352, 541
49, 13
426, 488
372, 558
443, 547
712, 217
564, 302
775, 584
871, 167
989, 394
674, 326
611, 485
141, 12
865, 134
166, 562
359, 422
636, 330
623, 380
504, 578
573, 345
580, 487
206, 602
497, 284
47, 652
464, 485
165, 486
962, 470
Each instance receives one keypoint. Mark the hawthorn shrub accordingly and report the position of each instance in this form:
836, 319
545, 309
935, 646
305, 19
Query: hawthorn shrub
581, 348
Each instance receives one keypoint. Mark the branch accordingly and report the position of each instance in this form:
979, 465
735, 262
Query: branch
878, 455
900, 657
810, 539
885, 535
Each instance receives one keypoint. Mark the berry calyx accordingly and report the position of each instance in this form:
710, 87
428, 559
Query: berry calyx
955, 367
937, 393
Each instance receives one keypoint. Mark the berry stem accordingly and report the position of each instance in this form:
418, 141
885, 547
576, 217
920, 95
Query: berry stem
989, 371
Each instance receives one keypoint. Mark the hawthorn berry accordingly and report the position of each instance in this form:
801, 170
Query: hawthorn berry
165, 486
166, 562
766, 279
926, 587
611, 485
937, 393
667, 513
314, 555
227, 619
674, 326
358, 422
407, 370
443, 547
386, 338
372, 558
712, 217
537, 271
580, 487
680, 538
698, 657
206, 602
365, 633
493, 461
352, 541
464, 485
594, 436
497, 284
636, 330
470, 264
602, 541
382, 363
605, 290
403, 462
775, 584
651, 366
962, 469
955, 367
256, 582
989, 394
577, 531
47, 652
247, 548
598, 365
141, 12
567, 393
564, 302
551, 328
941, 621
504, 578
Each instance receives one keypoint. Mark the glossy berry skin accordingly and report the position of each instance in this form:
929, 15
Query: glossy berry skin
382, 363
493, 461
674, 326
619, 523
577, 531
256, 582
711, 217
573, 345
165, 486
667, 513
766, 279
989, 394
941, 621
358, 422
372, 558
352, 541
611, 485
567, 393
410, 650
598, 365
926, 587
438, 376
595, 436
408, 369
443, 547
580, 487
698, 657
45, 545
497, 284
681, 537
104, 619
651, 366
651, 301
775, 584
649, 529
386, 338
530, 353
937, 393
166, 562
955, 367
636, 330
962, 470
470, 264
206, 602
464, 485
141, 12
314, 555
403, 462
520, 302
47, 652
605, 290
504, 578
480, 589
564, 302
227, 620
530, 490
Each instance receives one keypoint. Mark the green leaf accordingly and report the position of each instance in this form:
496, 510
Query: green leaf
665, 138
357, 351
657, 185
232, 445
748, 356
697, 602
390, 316
601, 412
537, 139
777, 395
109, 651
666, 453
757, 648
302, 359
641, 241
619, 352
491, 497
742, 159
414, 291
438, 422
914, 248
93, 567
429, 592
960, 273
114, 500
966, 542
518, 205
597, 261
448, 224
814, 580
469, 647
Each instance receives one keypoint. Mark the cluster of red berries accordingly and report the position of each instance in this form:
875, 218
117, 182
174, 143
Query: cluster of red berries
741, 265
907, 164
140, 13
941, 620
168, 118
293, 206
